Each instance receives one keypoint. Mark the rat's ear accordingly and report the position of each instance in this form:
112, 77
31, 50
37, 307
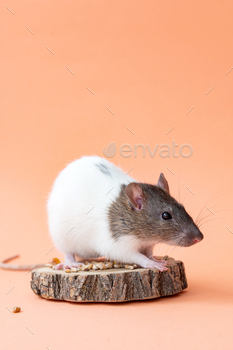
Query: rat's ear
162, 183
135, 195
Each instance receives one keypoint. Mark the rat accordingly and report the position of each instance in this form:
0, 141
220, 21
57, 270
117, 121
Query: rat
96, 210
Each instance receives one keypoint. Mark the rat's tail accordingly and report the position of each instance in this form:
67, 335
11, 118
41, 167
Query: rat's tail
4, 265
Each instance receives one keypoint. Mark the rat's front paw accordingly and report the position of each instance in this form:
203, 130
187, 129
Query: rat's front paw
67, 266
161, 265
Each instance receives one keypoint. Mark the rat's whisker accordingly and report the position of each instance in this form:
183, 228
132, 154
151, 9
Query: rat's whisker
168, 247
180, 189
202, 220
210, 219
203, 223
201, 213
205, 216
177, 249
174, 250
206, 204
174, 247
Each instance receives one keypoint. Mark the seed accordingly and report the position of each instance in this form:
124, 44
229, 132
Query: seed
48, 265
99, 265
16, 309
54, 261
74, 269
95, 265
85, 268
90, 266
130, 267
118, 265
109, 265
103, 267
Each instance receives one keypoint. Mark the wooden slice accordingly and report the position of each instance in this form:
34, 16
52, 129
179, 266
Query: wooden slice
113, 285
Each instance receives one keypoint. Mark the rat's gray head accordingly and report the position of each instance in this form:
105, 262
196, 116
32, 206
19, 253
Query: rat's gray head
150, 213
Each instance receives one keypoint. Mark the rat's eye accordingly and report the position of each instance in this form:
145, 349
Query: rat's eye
166, 216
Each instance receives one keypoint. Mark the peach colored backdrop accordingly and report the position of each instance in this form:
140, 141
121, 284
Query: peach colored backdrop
149, 62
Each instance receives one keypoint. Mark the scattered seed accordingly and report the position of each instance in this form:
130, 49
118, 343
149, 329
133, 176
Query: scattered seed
130, 267
54, 261
118, 265
48, 265
74, 269
96, 265
90, 266
85, 268
109, 265
16, 309
100, 265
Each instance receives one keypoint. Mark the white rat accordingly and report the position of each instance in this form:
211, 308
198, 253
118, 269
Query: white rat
95, 210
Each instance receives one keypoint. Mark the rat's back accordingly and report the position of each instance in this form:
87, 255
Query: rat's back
78, 205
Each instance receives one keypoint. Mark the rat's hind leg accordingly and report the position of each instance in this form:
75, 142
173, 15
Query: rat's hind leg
69, 263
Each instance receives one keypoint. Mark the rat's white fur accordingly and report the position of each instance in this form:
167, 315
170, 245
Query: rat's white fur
77, 213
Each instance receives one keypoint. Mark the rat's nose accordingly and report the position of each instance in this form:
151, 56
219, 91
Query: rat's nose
198, 238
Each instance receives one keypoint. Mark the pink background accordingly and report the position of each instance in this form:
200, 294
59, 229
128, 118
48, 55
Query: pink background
149, 62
